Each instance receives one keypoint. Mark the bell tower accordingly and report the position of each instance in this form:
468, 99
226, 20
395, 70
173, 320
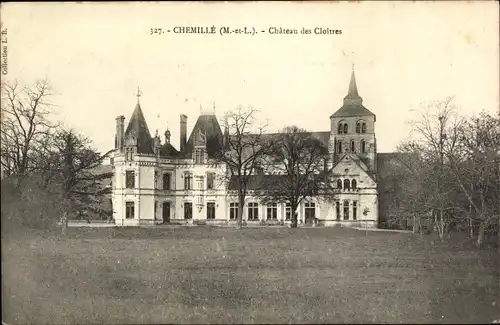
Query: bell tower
352, 128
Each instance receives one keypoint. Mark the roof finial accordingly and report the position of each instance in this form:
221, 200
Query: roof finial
353, 66
139, 94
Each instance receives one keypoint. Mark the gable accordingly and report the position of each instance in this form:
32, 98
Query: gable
350, 165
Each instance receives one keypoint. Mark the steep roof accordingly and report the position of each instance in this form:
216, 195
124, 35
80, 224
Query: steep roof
138, 128
167, 150
322, 136
353, 103
209, 126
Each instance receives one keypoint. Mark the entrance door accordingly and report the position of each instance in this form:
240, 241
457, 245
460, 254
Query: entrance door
166, 212
188, 210
310, 213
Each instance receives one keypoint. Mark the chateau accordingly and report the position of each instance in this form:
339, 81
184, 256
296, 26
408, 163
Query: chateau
156, 183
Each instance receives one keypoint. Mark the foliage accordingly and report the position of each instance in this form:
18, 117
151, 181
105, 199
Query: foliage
243, 149
299, 160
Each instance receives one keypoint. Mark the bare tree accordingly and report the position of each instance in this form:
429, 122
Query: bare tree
25, 127
437, 132
407, 184
476, 170
243, 150
297, 164
74, 169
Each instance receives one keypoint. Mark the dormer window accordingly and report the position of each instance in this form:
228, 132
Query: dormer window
129, 153
199, 157
342, 128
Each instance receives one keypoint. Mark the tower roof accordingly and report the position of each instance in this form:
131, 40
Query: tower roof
353, 103
138, 128
209, 126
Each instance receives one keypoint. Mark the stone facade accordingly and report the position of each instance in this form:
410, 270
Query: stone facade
155, 183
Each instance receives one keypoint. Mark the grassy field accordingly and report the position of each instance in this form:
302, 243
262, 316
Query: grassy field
266, 275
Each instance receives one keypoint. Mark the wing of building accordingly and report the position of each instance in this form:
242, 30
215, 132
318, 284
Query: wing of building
155, 183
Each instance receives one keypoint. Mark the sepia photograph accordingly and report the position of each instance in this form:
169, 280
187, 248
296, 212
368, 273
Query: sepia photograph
250, 162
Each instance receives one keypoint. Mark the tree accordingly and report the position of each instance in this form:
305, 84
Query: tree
299, 162
476, 170
25, 128
243, 150
74, 169
437, 132
406, 182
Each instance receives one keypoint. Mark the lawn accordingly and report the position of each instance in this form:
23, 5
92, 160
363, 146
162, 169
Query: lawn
258, 275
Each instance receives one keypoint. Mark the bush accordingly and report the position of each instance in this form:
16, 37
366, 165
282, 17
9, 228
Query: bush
28, 207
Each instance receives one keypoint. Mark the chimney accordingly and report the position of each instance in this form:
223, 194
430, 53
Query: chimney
156, 143
120, 126
183, 131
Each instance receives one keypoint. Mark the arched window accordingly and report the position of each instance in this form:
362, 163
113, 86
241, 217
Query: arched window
345, 128
354, 184
339, 183
363, 146
347, 184
358, 127
353, 146
363, 127
340, 128
339, 146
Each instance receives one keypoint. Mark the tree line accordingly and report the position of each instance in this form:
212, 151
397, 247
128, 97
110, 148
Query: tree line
447, 176
48, 170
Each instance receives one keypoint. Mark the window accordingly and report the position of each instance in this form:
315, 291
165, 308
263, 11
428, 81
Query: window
353, 147
288, 211
339, 183
363, 146
272, 211
354, 184
253, 211
339, 146
210, 210
210, 181
199, 156
199, 182
155, 210
188, 181
310, 211
360, 127
347, 184
130, 179
354, 210
233, 211
156, 179
337, 209
342, 128
129, 153
129, 210
346, 210
188, 210
166, 181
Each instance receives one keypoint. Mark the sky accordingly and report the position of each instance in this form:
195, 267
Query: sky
96, 55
